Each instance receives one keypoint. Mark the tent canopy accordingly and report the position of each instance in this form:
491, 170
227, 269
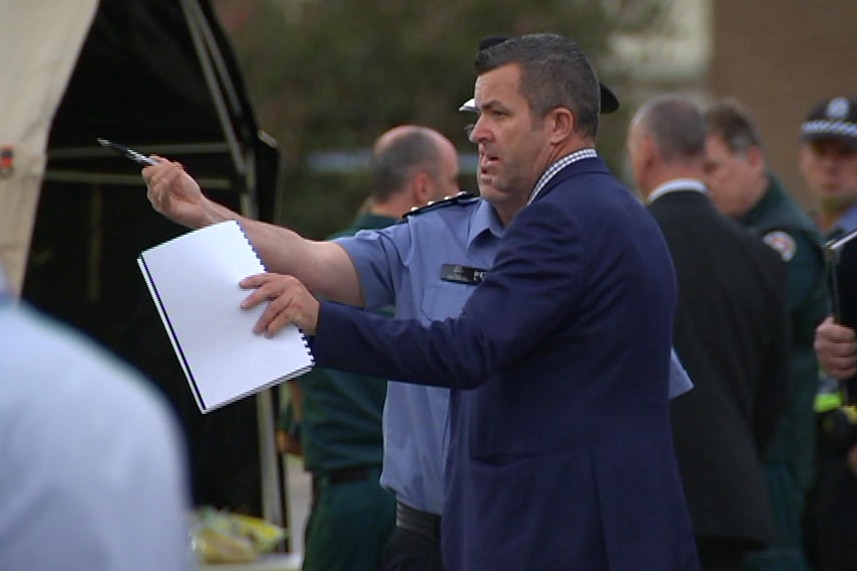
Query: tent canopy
158, 76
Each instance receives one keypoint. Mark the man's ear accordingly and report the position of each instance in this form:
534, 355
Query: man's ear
646, 150
421, 188
755, 157
561, 124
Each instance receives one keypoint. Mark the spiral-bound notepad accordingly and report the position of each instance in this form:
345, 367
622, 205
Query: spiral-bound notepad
193, 280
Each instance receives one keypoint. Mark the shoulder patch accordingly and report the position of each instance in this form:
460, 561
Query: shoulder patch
782, 243
462, 197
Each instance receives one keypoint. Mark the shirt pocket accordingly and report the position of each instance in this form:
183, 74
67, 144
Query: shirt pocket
442, 299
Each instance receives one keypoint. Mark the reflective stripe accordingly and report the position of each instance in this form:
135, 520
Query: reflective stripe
827, 402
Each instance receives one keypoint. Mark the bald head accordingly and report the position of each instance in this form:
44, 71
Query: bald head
666, 140
410, 155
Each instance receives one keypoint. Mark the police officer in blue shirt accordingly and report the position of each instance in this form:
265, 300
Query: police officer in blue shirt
828, 163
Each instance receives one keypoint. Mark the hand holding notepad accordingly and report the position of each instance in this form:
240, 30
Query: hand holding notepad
193, 280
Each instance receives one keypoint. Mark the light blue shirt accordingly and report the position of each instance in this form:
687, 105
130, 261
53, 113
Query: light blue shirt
847, 222
92, 470
400, 266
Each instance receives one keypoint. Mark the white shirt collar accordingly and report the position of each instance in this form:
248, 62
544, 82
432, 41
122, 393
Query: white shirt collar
558, 166
675, 185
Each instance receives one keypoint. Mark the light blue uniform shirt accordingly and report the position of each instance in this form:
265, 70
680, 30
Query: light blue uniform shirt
847, 222
400, 266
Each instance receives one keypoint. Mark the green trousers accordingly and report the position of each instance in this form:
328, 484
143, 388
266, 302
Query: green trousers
348, 526
787, 500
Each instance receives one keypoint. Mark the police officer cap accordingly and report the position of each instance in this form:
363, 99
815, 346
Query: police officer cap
834, 118
609, 101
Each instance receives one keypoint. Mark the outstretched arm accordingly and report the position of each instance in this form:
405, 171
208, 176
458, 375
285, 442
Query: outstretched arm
324, 267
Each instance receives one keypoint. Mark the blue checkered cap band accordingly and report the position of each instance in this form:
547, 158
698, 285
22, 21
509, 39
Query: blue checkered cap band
834, 118
827, 127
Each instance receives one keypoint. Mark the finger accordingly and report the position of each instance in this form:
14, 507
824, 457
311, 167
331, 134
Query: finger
254, 281
838, 367
263, 293
280, 321
843, 373
268, 322
832, 331
840, 363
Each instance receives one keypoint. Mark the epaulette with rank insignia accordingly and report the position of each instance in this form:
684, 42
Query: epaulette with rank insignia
460, 198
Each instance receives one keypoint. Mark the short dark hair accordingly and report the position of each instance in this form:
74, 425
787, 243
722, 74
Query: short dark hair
677, 126
393, 165
733, 123
554, 73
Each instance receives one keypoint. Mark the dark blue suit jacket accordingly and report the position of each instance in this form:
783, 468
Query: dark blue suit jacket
561, 453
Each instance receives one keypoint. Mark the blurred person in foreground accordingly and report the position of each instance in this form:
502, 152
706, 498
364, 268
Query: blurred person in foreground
560, 453
92, 476
730, 333
828, 163
352, 515
741, 187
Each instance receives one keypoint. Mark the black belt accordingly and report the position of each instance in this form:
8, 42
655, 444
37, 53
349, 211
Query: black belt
347, 474
342, 476
416, 521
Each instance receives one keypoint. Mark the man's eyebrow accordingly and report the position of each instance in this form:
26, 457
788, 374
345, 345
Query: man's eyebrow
493, 104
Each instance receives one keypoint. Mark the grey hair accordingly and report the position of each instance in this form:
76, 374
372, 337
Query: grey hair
677, 126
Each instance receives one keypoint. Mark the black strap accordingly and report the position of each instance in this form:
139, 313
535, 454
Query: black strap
416, 521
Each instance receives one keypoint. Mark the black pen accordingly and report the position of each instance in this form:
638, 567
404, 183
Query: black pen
131, 154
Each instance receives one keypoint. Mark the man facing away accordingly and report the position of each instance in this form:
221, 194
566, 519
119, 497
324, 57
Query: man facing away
741, 187
560, 442
730, 333
351, 515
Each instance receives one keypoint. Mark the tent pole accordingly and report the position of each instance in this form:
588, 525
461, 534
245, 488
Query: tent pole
196, 24
272, 489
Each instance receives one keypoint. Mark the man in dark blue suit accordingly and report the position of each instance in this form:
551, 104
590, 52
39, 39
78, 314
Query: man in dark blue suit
561, 453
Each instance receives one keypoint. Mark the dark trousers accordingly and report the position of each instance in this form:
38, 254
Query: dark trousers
831, 518
722, 553
409, 551
786, 552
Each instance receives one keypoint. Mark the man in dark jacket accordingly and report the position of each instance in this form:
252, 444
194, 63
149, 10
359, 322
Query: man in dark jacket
730, 331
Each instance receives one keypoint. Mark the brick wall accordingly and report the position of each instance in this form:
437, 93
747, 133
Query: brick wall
780, 57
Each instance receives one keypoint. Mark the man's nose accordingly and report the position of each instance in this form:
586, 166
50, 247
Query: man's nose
479, 131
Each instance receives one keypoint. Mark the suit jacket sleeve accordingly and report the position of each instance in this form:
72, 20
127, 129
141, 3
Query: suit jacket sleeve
532, 287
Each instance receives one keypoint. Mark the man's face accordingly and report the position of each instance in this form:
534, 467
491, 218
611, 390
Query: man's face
731, 177
513, 149
829, 167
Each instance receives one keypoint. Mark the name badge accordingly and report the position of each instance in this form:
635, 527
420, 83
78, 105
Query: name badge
462, 274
